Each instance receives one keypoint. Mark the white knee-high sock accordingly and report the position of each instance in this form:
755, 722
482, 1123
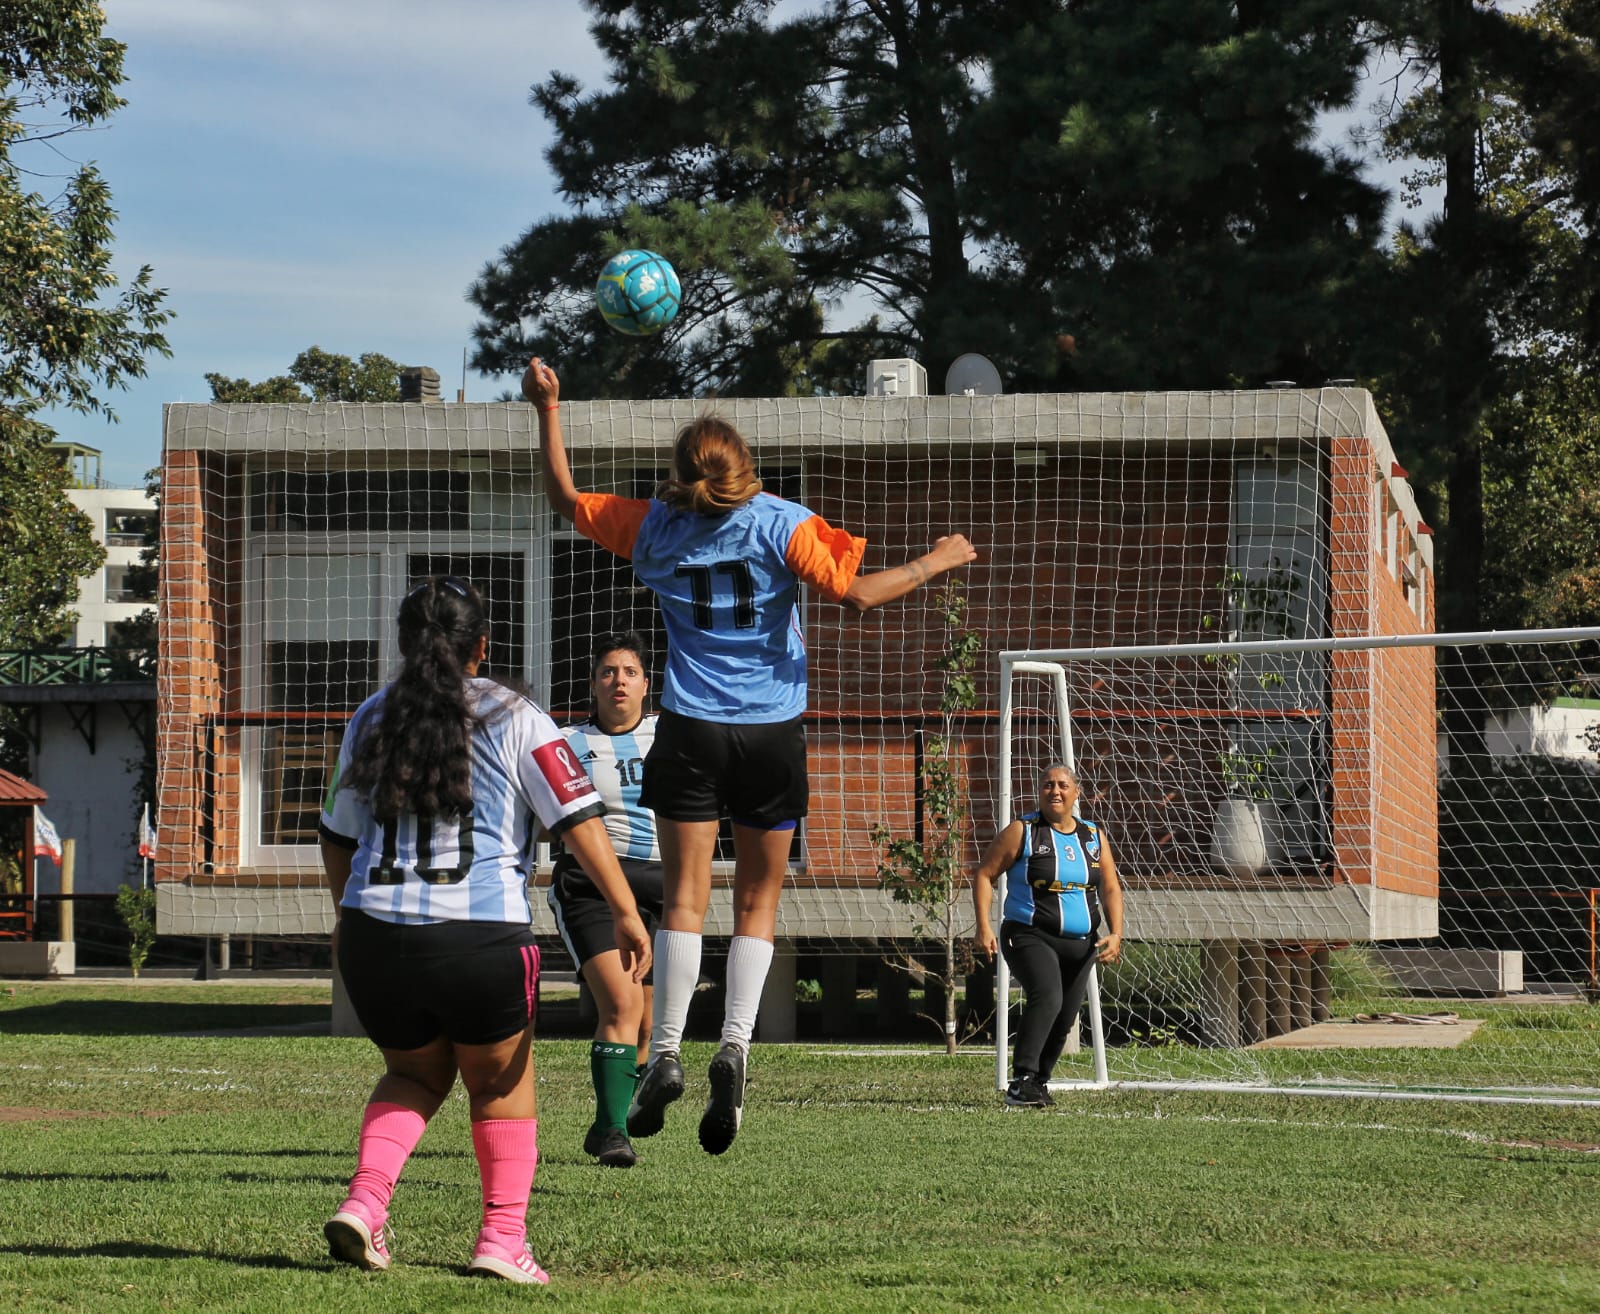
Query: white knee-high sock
677, 972
749, 959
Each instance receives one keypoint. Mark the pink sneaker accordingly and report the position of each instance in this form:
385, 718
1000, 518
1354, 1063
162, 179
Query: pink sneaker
353, 1240
491, 1259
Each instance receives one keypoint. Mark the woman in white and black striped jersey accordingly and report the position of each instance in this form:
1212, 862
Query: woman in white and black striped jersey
442, 782
1059, 872
611, 746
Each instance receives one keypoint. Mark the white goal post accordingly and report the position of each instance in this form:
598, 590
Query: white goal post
1405, 777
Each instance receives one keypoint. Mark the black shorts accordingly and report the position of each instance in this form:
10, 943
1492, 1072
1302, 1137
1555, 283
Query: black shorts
584, 917
699, 770
471, 982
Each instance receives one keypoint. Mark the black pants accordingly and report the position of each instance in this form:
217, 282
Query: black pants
1053, 971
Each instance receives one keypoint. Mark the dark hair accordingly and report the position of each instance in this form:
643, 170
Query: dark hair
414, 754
712, 469
617, 641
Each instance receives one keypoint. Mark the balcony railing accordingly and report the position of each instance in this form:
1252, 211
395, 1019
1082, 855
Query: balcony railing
67, 666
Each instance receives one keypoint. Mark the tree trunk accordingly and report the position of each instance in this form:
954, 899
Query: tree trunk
1467, 365
949, 986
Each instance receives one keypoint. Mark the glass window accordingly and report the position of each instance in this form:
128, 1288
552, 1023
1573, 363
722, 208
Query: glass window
500, 579
319, 653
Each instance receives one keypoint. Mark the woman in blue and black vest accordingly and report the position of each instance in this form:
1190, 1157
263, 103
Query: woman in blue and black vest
1059, 875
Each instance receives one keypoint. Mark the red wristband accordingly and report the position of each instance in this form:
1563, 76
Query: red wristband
545, 410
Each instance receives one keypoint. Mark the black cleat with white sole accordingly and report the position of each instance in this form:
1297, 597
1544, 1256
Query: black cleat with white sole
719, 1124
662, 1083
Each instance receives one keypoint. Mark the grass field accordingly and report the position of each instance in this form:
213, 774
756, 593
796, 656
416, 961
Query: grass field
159, 1151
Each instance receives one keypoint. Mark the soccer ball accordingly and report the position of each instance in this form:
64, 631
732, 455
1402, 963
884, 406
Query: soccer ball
638, 293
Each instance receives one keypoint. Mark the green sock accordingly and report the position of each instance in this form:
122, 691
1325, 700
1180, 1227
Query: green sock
612, 1067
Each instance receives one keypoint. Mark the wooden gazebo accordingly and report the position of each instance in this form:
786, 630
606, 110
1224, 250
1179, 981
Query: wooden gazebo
16, 911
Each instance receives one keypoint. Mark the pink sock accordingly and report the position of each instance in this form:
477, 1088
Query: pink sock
508, 1153
389, 1132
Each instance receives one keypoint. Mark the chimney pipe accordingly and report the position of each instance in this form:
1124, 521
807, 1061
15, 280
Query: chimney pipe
419, 383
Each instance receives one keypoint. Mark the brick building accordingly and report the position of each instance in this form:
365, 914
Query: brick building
291, 532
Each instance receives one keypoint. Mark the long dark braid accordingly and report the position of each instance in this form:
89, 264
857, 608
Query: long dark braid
414, 756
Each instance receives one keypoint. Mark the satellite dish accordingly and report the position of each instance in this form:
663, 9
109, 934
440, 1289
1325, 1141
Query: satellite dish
972, 375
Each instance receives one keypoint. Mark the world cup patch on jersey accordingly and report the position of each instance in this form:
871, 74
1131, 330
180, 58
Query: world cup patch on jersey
561, 769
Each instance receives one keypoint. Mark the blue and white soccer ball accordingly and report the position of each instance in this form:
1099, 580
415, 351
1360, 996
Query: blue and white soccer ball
638, 293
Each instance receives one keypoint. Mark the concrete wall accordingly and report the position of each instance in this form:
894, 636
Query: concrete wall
93, 796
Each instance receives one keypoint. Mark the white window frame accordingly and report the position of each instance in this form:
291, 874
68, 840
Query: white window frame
391, 552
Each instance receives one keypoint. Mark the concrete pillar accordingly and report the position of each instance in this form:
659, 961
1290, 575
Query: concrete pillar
1300, 990
1219, 992
345, 1021
1278, 992
1252, 993
839, 996
775, 1023
1321, 985
894, 998
224, 953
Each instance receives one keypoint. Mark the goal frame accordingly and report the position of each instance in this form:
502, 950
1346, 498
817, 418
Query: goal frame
1052, 664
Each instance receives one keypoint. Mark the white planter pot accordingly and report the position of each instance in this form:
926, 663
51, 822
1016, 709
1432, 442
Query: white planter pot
1248, 837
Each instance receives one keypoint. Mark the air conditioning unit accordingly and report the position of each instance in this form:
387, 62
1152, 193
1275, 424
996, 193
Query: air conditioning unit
896, 378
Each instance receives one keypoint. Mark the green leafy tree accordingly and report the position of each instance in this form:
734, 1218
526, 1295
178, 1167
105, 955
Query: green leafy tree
1487, 346
1153, 173
928, 872
927, 177
70, 333
137, 908
317, 375
49, 543
1541, 494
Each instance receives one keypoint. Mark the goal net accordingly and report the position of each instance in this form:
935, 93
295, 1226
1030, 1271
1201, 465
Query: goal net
1348, 864
290, 534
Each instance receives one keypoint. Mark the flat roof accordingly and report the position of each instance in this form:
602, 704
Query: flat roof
477, 431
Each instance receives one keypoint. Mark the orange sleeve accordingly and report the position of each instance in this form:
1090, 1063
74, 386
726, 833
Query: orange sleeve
825, 557
611, 521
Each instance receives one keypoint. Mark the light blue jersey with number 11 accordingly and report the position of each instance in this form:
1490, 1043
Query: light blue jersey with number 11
728, 587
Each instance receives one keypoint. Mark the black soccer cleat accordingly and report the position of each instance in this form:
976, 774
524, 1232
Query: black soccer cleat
1027, 1092
615, 1150
662, 1084
719, 1124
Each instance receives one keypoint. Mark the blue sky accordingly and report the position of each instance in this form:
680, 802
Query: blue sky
329, 172
319, 171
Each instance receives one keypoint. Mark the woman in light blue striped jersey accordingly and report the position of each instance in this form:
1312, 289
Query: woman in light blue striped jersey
443, 781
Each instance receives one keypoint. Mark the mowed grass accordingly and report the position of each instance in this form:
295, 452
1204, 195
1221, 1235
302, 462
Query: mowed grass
147, 1166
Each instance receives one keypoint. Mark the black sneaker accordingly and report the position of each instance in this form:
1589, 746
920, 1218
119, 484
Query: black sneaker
614, 1149
1027, 1092
719, 1124
662, 1084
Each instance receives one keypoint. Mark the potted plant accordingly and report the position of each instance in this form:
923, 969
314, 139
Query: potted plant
1247, 837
